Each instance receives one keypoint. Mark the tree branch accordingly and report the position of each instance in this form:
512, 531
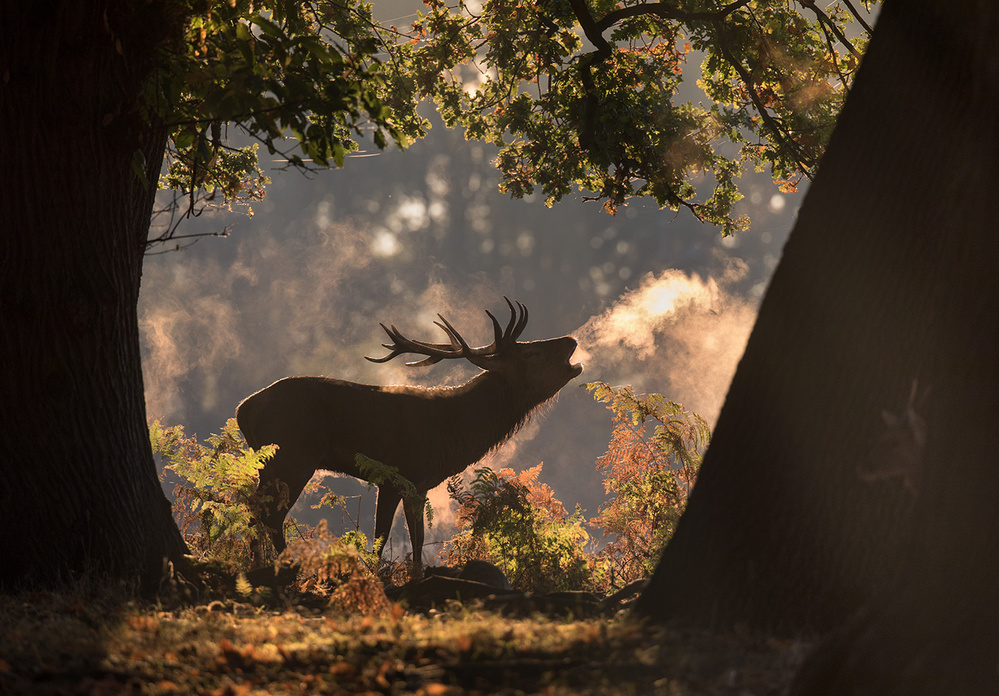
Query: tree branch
859, 18
825, 22
589, 26
804, 163
666, 11
594, 30
832, 57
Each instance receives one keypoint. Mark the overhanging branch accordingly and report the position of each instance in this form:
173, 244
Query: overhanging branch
666, 11
804, 162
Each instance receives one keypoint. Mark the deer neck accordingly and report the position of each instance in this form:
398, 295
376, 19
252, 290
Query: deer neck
484, 412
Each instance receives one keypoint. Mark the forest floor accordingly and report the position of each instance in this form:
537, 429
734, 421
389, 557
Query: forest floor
72, 643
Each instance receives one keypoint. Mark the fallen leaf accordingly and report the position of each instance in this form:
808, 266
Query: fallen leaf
463, 642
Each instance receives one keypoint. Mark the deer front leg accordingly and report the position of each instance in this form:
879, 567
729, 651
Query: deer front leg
414, 520
268, 518
385, 507
282, 485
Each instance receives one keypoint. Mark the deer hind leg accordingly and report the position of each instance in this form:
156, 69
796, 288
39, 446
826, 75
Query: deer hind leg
414, 508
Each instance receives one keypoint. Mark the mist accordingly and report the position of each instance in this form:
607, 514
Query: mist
675, 333
655, 300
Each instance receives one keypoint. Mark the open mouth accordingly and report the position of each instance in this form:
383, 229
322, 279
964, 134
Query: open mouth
574, 367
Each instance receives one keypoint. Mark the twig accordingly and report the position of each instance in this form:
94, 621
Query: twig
859, 18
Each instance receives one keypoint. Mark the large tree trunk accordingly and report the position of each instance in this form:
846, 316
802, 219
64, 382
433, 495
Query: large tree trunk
891, 275
79, 491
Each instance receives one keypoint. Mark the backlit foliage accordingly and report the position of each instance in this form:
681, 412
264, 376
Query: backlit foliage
273, 69
650, 467
215, 499
577, 94
518, 524
216, 504
340, 568
585, 93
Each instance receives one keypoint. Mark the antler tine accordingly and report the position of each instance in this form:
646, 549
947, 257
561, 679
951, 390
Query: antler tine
522, 322
513, 319
518, 320
395, 351
457, 341
497, 332
432, 360
437, 347
435, 352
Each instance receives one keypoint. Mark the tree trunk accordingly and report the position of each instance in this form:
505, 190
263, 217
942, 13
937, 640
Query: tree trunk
79, 492
890, 276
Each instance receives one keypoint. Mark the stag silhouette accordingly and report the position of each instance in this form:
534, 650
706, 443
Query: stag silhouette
428, 434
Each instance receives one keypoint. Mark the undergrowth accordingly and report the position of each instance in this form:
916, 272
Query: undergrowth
510, 519
335, 632
518, 524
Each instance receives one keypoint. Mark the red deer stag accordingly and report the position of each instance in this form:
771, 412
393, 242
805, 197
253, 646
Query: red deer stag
428, 434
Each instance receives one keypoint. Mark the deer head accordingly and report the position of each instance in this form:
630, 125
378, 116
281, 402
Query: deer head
539, 368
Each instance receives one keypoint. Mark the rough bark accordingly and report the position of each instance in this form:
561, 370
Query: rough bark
79, 492
889, 276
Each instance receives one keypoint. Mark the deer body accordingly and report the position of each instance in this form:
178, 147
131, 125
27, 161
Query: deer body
428, 434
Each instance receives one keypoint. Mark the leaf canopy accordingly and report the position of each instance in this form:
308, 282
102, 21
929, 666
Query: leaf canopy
275, 70
586, 94
578, 95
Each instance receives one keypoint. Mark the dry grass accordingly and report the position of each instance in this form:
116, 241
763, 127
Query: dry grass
76, 644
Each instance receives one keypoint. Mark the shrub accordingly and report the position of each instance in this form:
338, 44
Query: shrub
517, 523
340, 568
215, 500
216, 503
650, 467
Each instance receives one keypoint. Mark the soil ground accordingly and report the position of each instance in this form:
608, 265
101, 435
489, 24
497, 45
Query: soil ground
71, 643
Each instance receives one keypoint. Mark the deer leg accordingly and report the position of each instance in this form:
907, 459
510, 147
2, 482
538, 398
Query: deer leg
283, 487
414, 508
385, 507
267, 517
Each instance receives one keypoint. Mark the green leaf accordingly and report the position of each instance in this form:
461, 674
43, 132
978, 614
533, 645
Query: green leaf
243, 32
267, 26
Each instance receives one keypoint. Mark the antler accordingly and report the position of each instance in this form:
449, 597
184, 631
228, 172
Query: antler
457, 347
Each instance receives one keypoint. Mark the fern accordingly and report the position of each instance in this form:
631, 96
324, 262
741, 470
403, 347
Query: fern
378, 474
650, 467
215, 501
339, 568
